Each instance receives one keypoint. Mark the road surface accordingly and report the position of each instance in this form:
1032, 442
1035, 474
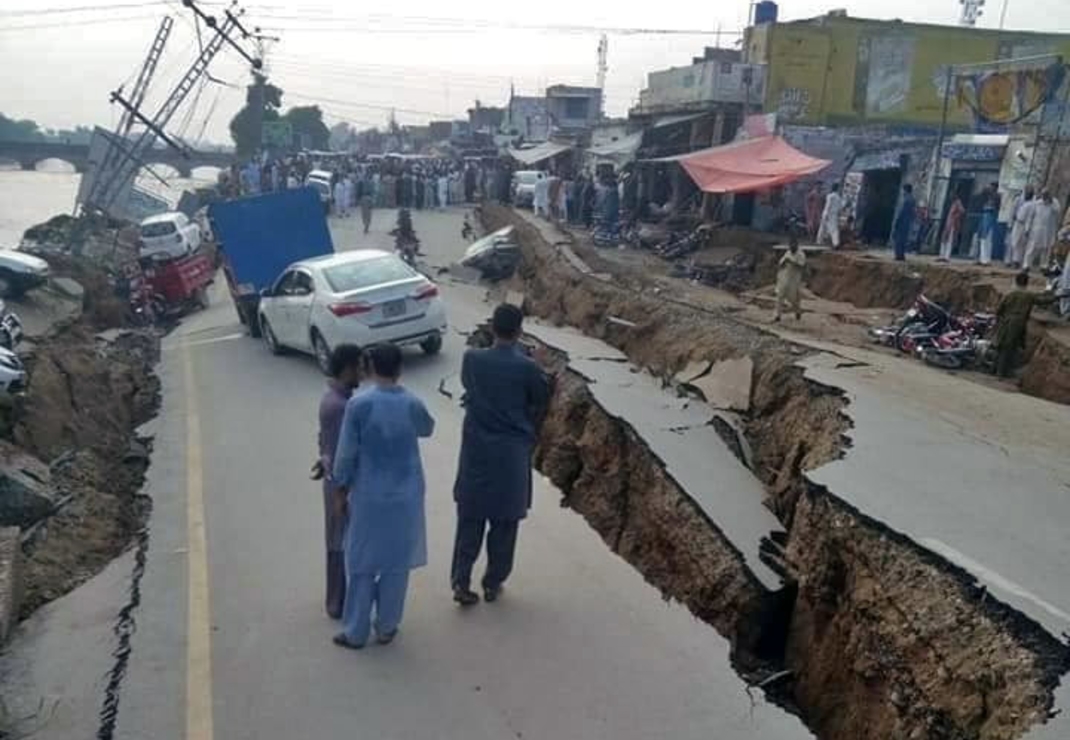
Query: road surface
231, 641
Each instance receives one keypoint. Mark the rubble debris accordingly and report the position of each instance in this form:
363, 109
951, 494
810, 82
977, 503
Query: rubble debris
26, 493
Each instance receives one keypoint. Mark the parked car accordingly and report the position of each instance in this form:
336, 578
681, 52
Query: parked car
21, 272
362, 297
524, 186
12, 372
169, 235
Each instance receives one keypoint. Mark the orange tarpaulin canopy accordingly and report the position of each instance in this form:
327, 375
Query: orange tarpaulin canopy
746, 166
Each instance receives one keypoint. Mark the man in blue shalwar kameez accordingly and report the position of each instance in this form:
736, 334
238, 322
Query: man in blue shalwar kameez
378, 464
505, 397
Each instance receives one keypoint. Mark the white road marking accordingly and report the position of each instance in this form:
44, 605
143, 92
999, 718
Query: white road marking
202, 342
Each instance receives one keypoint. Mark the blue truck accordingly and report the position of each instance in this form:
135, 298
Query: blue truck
260, 236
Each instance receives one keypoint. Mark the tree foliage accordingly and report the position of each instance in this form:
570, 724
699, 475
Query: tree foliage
244, 126
25, 130
306, 121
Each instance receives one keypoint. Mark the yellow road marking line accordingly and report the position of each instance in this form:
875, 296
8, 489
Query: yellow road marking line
199, 617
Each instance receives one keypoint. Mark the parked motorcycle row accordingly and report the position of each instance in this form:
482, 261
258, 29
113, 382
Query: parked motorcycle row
937, 337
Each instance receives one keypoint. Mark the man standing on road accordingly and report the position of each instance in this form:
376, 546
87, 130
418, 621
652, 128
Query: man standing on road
366, 198
830, 218
505, 397
1012, 319
346, 370
379, 478
1043, 231
904, 223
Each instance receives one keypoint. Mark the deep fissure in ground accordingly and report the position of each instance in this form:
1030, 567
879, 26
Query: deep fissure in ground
882, 638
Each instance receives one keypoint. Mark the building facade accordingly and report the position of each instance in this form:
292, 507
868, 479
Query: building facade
840, 71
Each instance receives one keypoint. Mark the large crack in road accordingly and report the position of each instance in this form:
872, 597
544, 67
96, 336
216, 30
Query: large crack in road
870, 634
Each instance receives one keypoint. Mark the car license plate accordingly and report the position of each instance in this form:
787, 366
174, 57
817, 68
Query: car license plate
392, 309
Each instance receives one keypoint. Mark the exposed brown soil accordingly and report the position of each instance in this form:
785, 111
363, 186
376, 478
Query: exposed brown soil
608, 475
87, 395
884, 640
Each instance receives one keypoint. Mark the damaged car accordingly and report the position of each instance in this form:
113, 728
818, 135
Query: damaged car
21, 273
495, 256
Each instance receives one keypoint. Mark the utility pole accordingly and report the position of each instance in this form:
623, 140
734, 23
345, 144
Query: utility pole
110, 186
603, 68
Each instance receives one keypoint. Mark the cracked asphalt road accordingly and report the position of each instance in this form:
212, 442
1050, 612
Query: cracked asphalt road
580, 646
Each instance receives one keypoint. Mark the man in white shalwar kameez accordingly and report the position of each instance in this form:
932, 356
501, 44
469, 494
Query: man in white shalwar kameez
830, 218
541, 202
1043, 230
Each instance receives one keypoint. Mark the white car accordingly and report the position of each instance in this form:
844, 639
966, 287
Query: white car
169, 236
524, 183
363, 297
321, 180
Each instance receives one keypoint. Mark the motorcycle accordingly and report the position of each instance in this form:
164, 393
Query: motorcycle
928, 325
10, 327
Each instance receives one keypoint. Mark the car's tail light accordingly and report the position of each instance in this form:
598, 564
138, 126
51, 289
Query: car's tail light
428, 291
350, 309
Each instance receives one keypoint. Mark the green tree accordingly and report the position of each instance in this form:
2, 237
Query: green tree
308, 126
244, 127
24, 130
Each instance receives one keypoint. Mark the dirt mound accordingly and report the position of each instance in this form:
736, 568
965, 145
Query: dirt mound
884, 640
86, 396
868, 282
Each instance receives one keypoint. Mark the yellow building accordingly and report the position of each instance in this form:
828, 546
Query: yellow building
839, 71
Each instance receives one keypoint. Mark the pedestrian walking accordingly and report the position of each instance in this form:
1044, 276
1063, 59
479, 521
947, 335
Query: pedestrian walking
789, 279
952, 229
379, 482
813, 210
339, 198
367, 201
830, 218
443, 190
541, 199
346, 369
986, 233
1043, 230
505, 398
1023, 212
904, 223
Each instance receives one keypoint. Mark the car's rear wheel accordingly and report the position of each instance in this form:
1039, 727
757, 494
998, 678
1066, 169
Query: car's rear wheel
270, 339
322, 351
432, 345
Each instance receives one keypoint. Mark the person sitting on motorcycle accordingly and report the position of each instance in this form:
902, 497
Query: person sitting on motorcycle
1012, 322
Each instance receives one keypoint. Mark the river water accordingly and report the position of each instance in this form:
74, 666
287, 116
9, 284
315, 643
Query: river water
29, 197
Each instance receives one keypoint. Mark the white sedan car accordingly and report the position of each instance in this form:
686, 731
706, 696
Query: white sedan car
363, 297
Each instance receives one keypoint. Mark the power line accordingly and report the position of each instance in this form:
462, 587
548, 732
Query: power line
79, 9
370, 106
470, 24
85, 22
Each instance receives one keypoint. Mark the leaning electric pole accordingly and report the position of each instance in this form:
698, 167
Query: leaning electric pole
126, 156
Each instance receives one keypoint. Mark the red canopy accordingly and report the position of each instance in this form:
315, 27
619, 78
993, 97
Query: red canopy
746, 166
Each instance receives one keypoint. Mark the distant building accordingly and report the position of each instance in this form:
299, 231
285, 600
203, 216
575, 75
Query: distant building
485, 119
527, 117
834, 70
704, 85
440, 130
573, 109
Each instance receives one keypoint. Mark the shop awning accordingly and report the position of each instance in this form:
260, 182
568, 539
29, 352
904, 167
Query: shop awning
539, 152
620, 151
747, 166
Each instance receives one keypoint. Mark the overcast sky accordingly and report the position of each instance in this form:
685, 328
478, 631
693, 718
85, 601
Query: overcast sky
427, 59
